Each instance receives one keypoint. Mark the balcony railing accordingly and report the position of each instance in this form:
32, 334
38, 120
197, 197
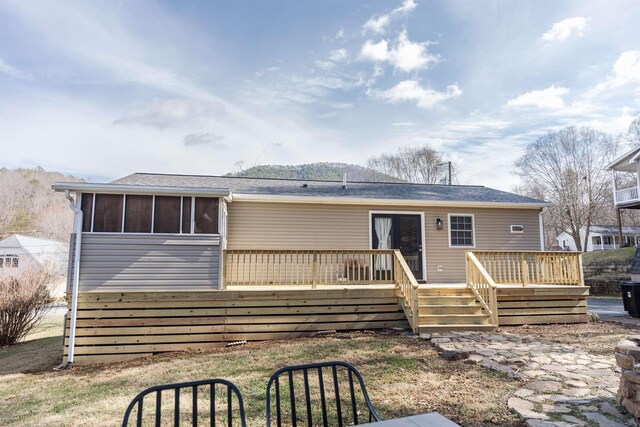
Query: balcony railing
625, 195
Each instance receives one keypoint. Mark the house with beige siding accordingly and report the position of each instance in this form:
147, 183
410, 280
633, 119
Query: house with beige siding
152, 255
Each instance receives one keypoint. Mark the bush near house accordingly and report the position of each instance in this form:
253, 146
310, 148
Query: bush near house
23, 301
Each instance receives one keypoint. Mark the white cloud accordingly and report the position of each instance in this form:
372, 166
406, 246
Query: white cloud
549, 98
378, 24
404, 124
12, 71
405, 55
335, 56
562, 30
626, 70
338, 55
208, 139
410, 90
174, 113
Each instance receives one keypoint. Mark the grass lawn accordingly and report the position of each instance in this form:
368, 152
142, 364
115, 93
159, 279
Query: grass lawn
624, 254
403, 375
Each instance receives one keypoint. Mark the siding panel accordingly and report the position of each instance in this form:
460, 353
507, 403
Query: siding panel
121, 262
256, 225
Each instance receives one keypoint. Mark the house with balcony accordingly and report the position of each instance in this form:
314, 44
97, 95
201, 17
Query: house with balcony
601, 238
176, 262
625, 180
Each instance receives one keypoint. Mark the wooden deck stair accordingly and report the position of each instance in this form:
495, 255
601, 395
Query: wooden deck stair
442, 309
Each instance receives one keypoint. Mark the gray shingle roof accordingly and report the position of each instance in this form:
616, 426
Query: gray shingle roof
311, 188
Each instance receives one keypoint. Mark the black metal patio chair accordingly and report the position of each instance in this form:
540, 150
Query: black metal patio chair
339, 409
195, 387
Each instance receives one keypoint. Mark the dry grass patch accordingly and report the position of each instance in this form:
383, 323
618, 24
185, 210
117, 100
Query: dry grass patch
404, 376
596, 338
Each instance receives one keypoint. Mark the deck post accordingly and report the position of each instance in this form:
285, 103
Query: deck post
619, 218
580, 271
314, 269
524, 269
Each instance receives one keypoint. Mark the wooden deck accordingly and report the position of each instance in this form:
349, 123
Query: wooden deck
124, 325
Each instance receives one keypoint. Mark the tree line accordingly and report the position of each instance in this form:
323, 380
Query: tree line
29, 206
569, 169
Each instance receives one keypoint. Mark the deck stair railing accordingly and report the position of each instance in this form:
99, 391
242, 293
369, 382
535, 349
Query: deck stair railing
526, 268
483, 286
408, 289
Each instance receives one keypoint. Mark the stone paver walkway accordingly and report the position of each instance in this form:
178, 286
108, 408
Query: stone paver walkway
563, 386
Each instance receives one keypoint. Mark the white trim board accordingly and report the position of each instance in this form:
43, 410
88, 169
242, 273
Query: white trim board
422, 234
381, 202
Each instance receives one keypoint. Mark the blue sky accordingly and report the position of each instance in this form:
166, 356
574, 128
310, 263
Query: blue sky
102, 89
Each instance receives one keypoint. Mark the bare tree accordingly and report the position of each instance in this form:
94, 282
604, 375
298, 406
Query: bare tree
633, 133
413, 164
568, 169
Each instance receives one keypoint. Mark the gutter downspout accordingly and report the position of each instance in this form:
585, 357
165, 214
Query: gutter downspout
77, 228
541, 222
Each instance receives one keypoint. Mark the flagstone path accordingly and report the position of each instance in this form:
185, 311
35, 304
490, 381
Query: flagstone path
563, 386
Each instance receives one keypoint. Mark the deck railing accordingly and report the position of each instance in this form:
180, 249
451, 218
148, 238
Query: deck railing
408, 288
526, 268
627, 194
482, 285
249, 267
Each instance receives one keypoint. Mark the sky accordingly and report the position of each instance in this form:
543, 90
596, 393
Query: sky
102, 89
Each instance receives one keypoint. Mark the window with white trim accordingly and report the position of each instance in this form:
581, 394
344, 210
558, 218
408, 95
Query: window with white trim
9, 261
133, 213
461, 230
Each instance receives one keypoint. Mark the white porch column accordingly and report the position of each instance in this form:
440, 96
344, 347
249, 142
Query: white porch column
613, 184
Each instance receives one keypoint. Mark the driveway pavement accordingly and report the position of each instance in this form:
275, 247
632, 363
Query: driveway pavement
612, 310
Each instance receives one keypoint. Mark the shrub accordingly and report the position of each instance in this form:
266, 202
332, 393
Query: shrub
24, 298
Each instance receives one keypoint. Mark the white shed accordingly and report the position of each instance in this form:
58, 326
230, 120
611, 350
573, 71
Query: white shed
18, 252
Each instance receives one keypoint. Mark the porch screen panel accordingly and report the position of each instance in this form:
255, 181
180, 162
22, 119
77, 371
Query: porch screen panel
108, 213
137, 214
206, 215
186, 215
167, 215
86, 205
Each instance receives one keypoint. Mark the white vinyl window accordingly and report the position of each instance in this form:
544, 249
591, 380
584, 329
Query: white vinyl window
9, 261
461, 230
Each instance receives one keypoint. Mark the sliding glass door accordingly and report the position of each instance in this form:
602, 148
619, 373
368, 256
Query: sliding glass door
399, 231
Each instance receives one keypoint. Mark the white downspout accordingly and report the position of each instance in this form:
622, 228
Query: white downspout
77, 229
541, 223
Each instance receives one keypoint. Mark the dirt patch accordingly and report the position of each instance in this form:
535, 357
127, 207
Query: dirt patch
596, 338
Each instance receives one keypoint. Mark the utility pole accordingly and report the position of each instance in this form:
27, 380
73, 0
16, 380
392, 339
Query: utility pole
449, 164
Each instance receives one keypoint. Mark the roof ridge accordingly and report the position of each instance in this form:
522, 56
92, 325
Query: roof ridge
301, 180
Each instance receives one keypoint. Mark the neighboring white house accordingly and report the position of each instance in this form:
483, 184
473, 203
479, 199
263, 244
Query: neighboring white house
19, 252
601, 238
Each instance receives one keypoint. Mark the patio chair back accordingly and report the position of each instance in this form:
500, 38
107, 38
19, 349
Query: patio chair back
328, 393
190, 393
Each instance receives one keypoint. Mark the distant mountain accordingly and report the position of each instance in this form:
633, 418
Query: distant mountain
316, 171
29, 206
